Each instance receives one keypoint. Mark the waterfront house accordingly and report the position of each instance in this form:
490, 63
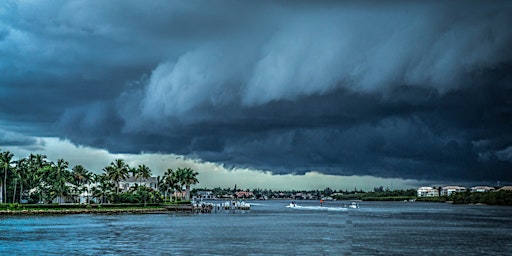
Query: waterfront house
448, 190
81, 195
482, 189
244, 194
179, 194
427, 192
86, 196
131, 182
205, 194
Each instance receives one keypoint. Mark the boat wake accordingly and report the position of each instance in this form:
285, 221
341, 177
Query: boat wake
317, 208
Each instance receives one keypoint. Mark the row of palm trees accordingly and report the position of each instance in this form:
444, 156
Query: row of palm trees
39, 180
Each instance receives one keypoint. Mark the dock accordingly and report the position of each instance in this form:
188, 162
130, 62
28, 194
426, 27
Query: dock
208, 207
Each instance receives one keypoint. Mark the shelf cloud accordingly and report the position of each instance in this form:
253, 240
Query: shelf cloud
413, 90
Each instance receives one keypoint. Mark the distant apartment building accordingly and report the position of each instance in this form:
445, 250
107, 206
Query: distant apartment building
448, 190
427, 192
482, 189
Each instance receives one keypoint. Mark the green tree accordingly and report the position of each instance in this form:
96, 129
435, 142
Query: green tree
171, 181
117, 171
80, 175
81, 179
143, 172
187, 176
20, 174
103, 187
37, 176
134, 171
5, 163
60, 175
160, 184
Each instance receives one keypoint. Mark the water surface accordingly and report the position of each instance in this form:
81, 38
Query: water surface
270, 228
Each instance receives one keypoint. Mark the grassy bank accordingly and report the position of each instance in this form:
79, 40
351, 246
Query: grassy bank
10, 209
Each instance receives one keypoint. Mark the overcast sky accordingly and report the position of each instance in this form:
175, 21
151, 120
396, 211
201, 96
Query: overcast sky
324, 91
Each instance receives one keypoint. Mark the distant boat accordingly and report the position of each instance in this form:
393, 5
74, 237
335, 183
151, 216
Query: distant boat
353, 205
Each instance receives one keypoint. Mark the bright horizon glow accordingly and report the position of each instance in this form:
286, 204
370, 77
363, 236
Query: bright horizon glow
210, 175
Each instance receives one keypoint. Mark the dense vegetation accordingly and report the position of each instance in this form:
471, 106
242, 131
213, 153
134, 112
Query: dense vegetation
494, 198
380, 194
34, 179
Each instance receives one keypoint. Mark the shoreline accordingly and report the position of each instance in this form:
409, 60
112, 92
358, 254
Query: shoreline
83, 211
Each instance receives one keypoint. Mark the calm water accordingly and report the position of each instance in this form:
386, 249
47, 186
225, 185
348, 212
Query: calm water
270, 228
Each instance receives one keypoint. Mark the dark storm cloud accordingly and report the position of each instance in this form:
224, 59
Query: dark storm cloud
8, 138
415, 90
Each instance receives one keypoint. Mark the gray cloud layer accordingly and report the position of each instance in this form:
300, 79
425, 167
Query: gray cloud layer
413, 90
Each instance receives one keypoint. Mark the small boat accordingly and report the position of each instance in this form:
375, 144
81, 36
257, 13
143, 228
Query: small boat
292, 204
353, 205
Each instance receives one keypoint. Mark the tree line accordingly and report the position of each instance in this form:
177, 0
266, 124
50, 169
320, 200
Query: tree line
502, 197
35, 179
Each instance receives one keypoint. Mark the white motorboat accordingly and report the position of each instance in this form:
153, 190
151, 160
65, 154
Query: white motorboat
353, 205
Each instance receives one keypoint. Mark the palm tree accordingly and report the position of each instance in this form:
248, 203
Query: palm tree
187, 177
60, 176
160, 185
117, 171
135, 174
38, 160
143, 172
178, 177
5, 162
103, 188
171, 180
81, 179
22, 167
80, 175
39, 170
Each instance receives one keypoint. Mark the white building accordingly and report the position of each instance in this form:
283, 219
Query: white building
87, 194
205, 194
82, 195
482, 189
448, 190
131, 182
427, 192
